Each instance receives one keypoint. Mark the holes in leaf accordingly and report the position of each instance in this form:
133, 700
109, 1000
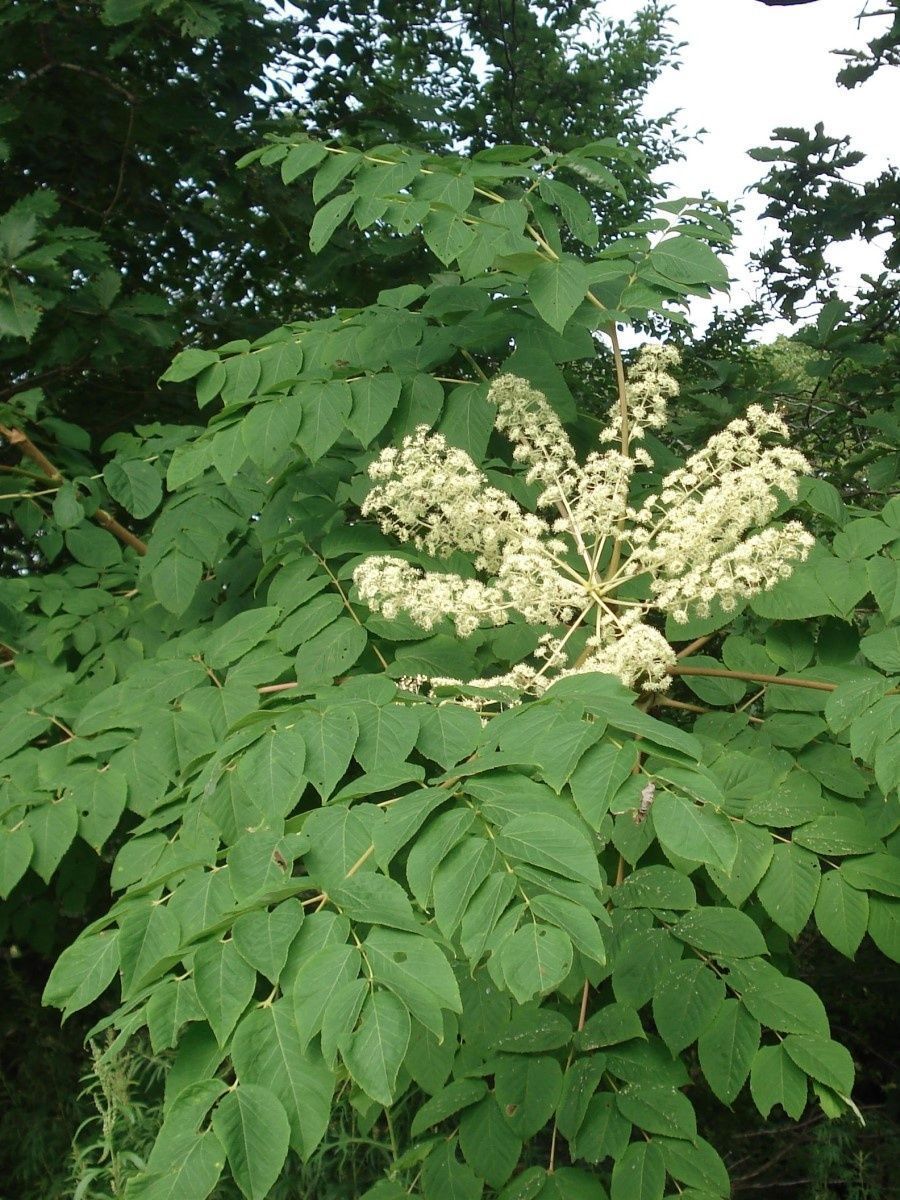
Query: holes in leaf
399, 956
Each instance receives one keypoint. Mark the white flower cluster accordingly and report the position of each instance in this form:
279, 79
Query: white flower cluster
703, 537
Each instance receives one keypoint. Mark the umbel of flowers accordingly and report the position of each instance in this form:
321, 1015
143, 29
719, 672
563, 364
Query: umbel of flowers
702, 537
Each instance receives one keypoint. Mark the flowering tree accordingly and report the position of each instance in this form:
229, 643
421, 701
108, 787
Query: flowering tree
521, 940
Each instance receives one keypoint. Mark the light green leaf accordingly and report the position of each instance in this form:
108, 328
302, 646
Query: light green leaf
188, 364
693, 831
374, 399
576, 921
264, 938
874, 873
378, 1046
99, 797
224, 983
417, 971
83, 971
253, 1128
557, 288
387, 734
658, 1109
300, 159
787, 1005
528, 1089
458, 878
147, 936
327, 219
488, 1144
320, 977
450, 1100
883, 649
330, 735
535, 960
326, 407
448, 733
611, 1025
545, 842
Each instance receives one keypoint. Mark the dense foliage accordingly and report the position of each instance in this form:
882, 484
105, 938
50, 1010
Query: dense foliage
509, 951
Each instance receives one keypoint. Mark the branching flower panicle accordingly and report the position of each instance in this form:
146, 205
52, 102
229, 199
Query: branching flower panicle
703, 538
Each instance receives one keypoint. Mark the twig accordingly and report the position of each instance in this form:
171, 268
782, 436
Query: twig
26, 447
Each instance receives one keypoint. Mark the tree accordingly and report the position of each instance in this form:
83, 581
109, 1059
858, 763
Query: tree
510, 945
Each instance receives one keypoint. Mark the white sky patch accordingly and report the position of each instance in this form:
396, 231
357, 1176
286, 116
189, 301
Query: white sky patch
747, 68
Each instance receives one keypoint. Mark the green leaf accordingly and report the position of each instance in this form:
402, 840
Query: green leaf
789, 888
698, 1165
417, 971
16, 849
836, 836
727, 1049
82, 972
822, 1059
604, 1132
685, 1003
327, 219
264, 938
724, 932
468, 420
272, 771
687, 260
194, 1172
135, 485
576, 921
300, 159
883, 649
373, 898
535, 960
147, 936
326, 407
776, 1079
488, 1144
448, 733
320, 976
640, 1174
656, 887
842, 913
458, 878
884, 926
52, 827
330, 735
99, 797
447, 235
557, 288
225, 985
253, 1128
236, 637
528, 1089
693, 831
609, 1026
189, 363
446, 1103
658, 1109
432, 847
93, 547
374, 399
175, 580
169, 1008
545, 842
269, 429
787, 1005
443, 1176
67, 512
387, 734
600, 772
378, 1046
874, 873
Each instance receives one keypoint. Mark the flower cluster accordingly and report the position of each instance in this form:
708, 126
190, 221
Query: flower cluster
703, 537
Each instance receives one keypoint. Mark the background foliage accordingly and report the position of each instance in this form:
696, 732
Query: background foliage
371, 914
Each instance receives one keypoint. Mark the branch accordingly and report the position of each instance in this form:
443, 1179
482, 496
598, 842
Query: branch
28, 449
818, 685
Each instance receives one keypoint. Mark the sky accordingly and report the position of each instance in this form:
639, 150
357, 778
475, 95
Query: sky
747, 68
